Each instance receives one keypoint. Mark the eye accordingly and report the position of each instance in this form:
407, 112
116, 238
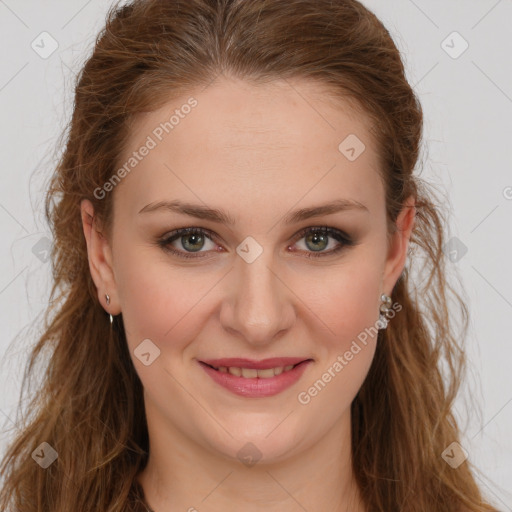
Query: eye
317, 239
192, 240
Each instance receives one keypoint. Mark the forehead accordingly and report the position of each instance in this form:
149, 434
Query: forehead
253, 145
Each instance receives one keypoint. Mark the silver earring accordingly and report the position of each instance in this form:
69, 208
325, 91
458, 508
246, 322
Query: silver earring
385, 311
107, 298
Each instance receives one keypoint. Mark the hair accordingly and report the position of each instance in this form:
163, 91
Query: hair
89, 405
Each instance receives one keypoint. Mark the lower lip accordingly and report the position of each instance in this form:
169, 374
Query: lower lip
256, 387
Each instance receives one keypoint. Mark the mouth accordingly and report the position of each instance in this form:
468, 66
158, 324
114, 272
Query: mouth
269, 378
247, 371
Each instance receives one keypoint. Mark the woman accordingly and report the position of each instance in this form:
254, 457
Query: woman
291, 363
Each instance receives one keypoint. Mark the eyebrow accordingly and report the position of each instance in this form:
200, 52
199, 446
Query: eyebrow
216, 215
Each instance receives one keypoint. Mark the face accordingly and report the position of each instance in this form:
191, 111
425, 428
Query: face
267, 284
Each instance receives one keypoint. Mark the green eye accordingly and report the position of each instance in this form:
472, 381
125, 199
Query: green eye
193, 240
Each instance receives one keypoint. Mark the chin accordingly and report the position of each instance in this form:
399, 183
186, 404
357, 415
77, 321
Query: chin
264, 445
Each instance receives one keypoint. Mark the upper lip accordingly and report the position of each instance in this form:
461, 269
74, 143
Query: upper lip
273, 362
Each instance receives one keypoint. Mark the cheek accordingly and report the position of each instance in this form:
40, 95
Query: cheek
159, 302
347, 300
350, 308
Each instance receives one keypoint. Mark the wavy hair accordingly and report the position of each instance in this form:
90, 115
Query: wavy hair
89, 405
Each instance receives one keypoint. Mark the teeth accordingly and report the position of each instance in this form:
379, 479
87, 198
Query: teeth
248, 373
251, 373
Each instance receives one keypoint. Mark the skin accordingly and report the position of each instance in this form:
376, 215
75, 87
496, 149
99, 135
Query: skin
257, 152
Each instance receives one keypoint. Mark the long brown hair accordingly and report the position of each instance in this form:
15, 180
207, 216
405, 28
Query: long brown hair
89, 407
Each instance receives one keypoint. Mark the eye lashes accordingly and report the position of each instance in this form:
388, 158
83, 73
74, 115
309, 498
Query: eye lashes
343, 239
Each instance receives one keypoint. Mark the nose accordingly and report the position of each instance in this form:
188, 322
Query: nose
259, 305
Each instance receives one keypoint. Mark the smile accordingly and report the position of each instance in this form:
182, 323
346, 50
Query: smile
251, 373
256, 382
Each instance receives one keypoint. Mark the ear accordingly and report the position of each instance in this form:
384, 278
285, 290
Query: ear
399, 243
100, 259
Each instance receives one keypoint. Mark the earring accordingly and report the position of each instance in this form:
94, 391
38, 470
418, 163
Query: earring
385, 311
107, 298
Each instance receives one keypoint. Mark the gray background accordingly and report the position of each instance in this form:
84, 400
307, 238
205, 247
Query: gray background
467, 100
